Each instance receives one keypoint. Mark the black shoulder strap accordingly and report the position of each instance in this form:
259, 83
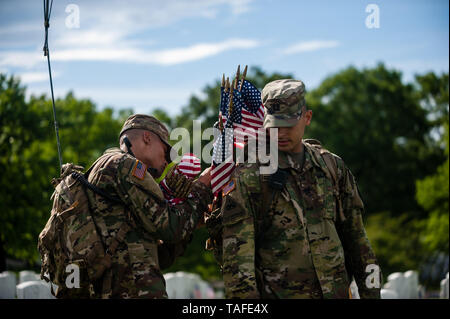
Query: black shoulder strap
82, 179
331, 163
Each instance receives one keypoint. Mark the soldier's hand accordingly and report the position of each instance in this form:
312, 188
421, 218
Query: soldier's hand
205, 177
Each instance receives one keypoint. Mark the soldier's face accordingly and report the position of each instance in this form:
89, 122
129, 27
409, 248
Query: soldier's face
155, 152
158, 155
290, 138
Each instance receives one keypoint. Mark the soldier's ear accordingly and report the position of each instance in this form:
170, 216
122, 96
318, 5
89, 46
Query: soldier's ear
308, 116
147, 137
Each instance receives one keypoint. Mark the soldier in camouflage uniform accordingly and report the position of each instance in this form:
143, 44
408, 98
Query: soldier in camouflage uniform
135, 271
306, 240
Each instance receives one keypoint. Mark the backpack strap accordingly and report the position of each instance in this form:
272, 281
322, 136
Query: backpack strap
330, 162
332, 172
330, 169
82, 179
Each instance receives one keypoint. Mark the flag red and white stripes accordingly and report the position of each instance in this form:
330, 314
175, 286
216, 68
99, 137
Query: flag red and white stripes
189, 165
220, 174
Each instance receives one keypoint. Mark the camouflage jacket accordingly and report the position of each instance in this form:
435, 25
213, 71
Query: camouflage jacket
299, 250
135, 271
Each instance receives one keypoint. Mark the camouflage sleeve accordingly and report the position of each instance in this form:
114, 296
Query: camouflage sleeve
359, 254
169, 223
239, 273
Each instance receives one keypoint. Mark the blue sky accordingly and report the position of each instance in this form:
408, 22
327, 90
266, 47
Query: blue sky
147, 54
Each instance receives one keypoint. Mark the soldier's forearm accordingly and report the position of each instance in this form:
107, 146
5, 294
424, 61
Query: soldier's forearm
363, 263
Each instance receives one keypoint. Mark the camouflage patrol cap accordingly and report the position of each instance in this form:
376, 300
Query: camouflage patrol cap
283, 101
149, 123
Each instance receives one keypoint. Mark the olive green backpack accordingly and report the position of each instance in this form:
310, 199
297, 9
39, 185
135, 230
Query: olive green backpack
74, 255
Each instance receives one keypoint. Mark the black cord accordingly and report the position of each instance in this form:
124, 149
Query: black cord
95, 189
47, 13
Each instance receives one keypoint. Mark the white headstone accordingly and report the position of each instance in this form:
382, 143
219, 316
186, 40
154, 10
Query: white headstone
7, 285
411, 284
206, 291
397, 282
422, 292
354, 290
173, 286
182, 285
388, 294
444, 288
34, 290
27, 275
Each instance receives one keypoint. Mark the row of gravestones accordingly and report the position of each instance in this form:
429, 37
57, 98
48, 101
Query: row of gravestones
179, 285
29, 286
182, 285
404, 286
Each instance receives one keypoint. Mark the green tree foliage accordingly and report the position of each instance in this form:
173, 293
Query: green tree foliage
432, 91
21, 196
377, 125
433, 194
396, 242
402, 243
433, 191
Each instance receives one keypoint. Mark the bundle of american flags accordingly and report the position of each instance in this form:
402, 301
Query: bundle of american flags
190, 167
241, 114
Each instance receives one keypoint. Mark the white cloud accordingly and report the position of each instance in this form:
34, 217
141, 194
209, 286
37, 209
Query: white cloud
33, 77
198, 51
308, 46
80, 38
25, 27
108, 32
155, 13
25, 59
135, 55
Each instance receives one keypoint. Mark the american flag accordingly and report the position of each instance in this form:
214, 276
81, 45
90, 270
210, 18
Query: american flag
139, 170
246, 117
189, 166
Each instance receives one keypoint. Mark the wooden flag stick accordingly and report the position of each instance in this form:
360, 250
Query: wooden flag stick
238, 73
243, 78
230, 106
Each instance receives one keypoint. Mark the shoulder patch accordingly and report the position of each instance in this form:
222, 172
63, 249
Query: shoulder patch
228, 188
139, 170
